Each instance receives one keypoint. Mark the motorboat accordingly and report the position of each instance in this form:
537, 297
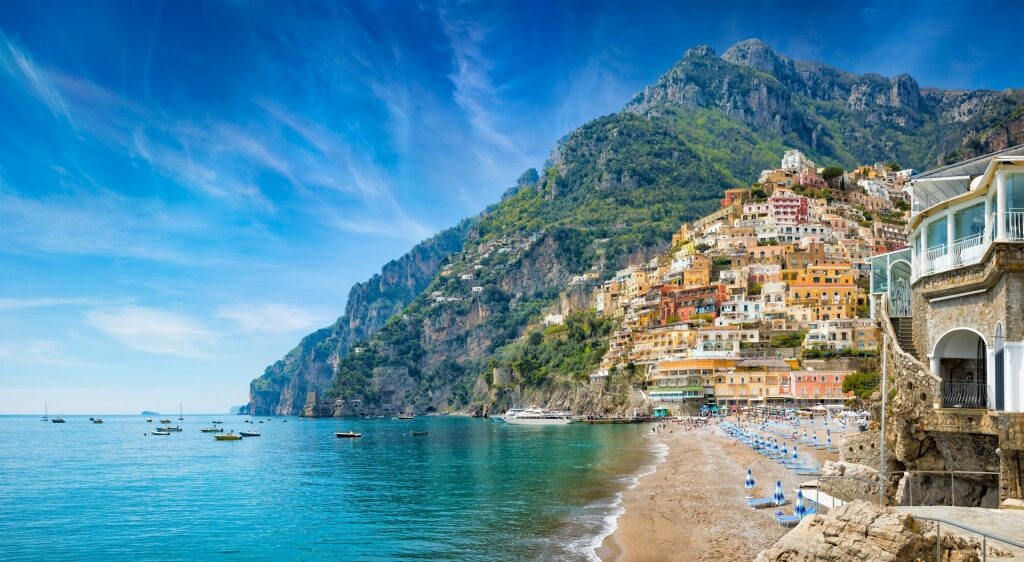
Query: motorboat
150, 420
229, 436
537, 416
347, 434
510, 412
96, 420
217, 421
419, 433
57, 420
158, 432
165, 420
249, 433
169, 428
212, 429
406, 417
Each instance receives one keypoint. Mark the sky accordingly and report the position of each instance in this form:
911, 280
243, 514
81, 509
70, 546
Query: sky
186, 189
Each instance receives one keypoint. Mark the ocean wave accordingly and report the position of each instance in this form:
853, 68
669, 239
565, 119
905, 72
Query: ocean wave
609, 511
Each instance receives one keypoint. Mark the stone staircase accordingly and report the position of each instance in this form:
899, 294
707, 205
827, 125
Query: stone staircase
904, 328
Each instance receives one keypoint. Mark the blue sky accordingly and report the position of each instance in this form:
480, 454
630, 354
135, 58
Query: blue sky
187, 188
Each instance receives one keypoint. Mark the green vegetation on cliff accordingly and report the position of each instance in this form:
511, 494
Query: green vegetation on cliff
572, 349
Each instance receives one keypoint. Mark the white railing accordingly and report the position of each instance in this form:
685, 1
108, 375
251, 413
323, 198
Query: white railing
967, 250
935, 259
1015, 225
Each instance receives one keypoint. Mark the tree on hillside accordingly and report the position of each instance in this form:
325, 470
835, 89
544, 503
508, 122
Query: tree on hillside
831, 172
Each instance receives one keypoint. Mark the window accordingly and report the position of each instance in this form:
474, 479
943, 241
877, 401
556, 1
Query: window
969, 222
936, 234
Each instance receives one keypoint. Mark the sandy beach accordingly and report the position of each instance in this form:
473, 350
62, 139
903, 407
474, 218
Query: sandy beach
693, 507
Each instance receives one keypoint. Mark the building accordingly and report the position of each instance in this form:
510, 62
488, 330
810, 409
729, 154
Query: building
795, 161
952, 322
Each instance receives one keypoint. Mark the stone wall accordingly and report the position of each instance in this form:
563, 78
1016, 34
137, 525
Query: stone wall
860, 448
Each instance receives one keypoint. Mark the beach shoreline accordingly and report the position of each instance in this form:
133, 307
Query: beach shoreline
692, 506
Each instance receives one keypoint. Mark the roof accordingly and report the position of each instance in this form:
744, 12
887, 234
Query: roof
778, 363
974, 167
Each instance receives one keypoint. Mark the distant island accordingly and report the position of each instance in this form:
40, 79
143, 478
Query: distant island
148, 413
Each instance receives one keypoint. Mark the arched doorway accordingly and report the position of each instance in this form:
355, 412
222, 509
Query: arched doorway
899, 289
960, 360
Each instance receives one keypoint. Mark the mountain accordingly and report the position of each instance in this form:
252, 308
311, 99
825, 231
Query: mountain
444, 325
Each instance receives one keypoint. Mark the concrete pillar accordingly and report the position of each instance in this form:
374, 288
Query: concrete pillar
936, 365
1001, 205
949, 240
988, 211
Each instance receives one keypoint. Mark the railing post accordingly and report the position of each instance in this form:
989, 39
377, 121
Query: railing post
952, 488
984, 548
938, 542
1001, 216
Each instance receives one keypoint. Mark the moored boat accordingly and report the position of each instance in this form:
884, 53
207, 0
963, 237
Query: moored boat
150, 420
165, 420
249, 433
419, 433
97, 420
536, 416
229, 436
158, 432
169, 428
406, 417
57, 420
347, 434
212, 429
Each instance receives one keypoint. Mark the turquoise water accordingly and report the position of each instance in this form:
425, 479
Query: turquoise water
469, 490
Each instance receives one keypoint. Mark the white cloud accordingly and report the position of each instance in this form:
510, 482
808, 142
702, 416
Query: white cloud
20, 66
39, 353
268, 317
46, 302
153, 330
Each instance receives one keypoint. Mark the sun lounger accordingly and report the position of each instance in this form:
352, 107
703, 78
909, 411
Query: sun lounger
793, 520
759, 502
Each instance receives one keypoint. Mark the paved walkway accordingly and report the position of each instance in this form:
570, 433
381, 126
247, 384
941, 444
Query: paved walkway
1006, 523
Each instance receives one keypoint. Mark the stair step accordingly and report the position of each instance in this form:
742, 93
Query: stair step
1011, 503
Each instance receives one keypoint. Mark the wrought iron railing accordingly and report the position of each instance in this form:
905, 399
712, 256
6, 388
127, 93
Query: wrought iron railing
1015, 225
964, 394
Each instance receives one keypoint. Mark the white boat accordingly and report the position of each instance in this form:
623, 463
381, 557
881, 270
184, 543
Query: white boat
536, 416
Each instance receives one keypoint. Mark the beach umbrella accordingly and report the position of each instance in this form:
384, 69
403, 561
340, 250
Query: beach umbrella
828, 442
785, 451
749, 483
795, 456
800, 511
777, 497
805, 435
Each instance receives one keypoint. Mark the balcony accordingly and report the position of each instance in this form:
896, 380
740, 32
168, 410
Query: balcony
964, 395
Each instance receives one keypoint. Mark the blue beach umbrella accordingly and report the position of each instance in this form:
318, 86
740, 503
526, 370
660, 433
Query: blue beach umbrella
778, 497
795, 456
814, 440
785, 451
749, 483
800, 511
828, 442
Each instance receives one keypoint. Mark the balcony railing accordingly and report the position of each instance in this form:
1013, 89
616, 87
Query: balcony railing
964, 395
1015, 225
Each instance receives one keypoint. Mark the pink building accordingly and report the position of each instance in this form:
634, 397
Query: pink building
788, 209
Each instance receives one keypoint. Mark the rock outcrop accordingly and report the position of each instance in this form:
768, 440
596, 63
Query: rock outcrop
863, 531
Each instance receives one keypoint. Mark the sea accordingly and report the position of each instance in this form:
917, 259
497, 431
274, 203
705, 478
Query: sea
470, 489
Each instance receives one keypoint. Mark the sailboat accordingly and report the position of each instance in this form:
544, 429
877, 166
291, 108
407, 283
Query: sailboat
181, 414
46, 412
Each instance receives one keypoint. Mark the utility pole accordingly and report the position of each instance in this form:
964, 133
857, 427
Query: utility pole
881, 437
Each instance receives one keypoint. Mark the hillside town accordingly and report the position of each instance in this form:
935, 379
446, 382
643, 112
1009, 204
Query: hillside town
763, 302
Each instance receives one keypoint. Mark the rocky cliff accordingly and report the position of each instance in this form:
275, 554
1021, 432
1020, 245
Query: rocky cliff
311, 365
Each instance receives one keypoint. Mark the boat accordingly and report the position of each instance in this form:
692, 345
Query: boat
510, 412
46, 412
249, 433
229, 436
57, 420
159, 432
169, 428
181, 414
347, 434
96, 420
537, 416
218, 421
212, 429
406, 417
165, 420
150, 420
419, 433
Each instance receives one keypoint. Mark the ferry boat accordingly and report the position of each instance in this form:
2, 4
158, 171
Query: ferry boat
536, 416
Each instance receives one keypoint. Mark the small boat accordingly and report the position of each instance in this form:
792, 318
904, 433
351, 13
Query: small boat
150, 420
169, 428
97, 420
218, 421
347, 434
406, 417
181, 413
158, 432
46, 412
229, 436
212, 429
57, 420
261, 421
419, 433
165, 420
249, 433
285, 421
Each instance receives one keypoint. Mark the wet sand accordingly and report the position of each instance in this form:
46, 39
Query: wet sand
693, 507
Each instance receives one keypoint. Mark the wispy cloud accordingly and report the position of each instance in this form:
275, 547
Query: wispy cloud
45, 353
268, 317
7, 303
474, 90
19, 66
153, 330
